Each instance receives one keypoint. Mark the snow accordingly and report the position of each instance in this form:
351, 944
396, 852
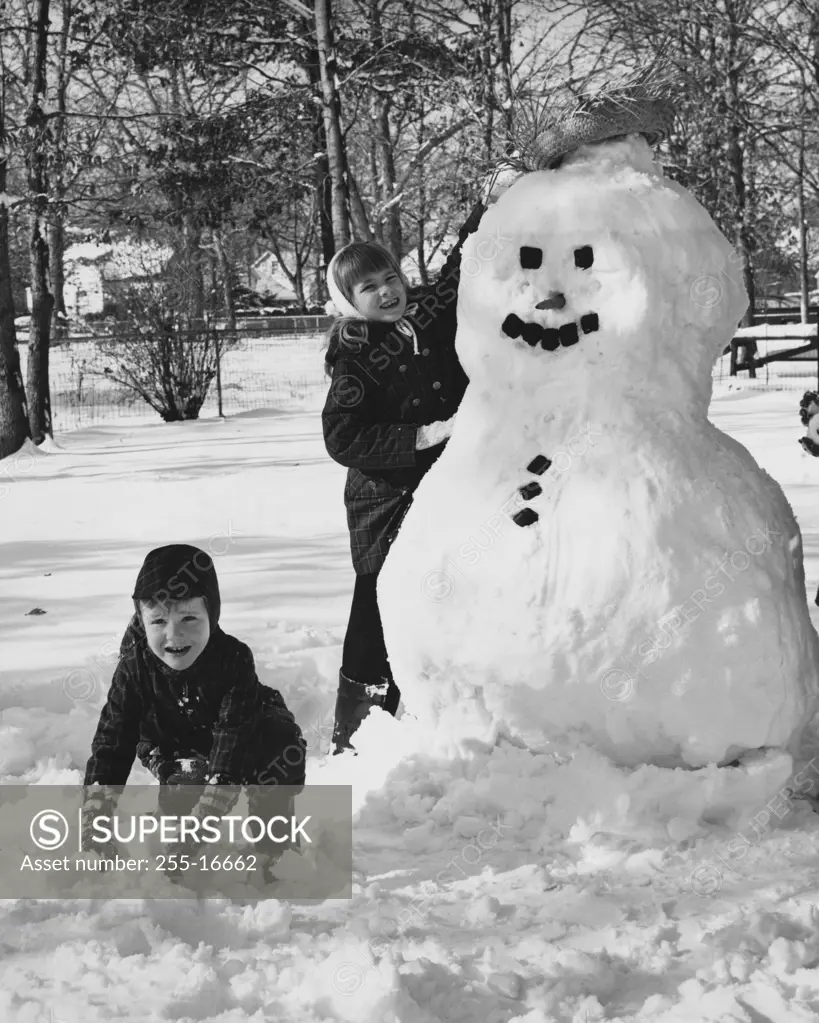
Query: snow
777, 331
513, 887
661, 575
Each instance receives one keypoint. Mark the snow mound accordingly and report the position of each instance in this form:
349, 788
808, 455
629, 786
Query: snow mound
558, 793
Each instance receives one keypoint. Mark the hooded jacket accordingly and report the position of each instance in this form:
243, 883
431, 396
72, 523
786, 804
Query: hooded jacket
387, 380
217, 708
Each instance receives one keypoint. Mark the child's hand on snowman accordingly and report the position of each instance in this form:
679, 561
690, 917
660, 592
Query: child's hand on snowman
808, 406
809, 414
434, 433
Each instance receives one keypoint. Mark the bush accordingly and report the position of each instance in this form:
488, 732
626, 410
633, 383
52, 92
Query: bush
172, 373
168, 358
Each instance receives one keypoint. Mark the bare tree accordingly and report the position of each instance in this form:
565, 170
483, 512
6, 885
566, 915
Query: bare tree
36, 151
13, 413
331, 109
56, 221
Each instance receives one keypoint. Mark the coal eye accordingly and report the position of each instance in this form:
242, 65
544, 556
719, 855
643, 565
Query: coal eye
530, 258
584, 257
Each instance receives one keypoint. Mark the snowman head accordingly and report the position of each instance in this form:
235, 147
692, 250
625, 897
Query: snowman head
599, 278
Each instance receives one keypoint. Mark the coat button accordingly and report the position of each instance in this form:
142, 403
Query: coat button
437, 385
425, 351
416, 402
402, 369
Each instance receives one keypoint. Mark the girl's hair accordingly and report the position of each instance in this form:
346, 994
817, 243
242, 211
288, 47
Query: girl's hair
359, 259
343, 331
353, 262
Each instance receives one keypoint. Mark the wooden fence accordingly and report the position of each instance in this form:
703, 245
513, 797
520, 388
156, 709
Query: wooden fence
805, 351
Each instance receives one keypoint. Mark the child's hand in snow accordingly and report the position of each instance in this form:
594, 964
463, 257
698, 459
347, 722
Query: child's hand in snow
98, 803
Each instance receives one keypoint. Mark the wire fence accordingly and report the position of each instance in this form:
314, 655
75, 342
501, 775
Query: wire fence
284, 371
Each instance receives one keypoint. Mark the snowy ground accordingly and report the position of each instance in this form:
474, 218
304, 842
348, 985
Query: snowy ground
511, 888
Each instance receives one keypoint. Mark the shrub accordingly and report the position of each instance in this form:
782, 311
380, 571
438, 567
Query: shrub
168, 357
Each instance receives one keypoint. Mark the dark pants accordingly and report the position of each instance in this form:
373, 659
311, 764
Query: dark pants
364, 657
366, 680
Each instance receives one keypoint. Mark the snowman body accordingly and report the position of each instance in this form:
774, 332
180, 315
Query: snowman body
591, 559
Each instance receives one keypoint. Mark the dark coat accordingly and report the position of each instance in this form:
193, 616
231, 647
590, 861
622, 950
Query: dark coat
217, 708
382, 391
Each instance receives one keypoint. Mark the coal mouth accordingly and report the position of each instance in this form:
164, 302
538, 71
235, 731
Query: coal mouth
550, 338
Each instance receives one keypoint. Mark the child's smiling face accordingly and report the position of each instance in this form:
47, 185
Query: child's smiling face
178, 631
381, 296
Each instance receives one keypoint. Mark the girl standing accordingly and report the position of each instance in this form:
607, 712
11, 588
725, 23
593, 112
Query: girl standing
397, 384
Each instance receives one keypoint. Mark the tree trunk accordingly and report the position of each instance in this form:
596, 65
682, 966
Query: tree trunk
392, 219
376, 183
389, 221
503, 18
192, 271
736, 168
56, 226
37, 384
298, 285
422, 203
226, 274
13, 413
487, 97
361, 225
331, 110
804, 283
56, 247
321, 177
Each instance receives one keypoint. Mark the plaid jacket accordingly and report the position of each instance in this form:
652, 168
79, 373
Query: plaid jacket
382, 391
216, 709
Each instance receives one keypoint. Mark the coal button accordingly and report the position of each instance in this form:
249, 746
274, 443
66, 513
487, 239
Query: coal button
539, 465
436, 385
532, 333
402, 369
525, 517
416, 401
512, 325
551, 339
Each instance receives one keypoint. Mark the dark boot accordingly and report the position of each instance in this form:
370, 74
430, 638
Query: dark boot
353, 703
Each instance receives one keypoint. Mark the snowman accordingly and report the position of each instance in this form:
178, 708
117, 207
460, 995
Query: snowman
591, 560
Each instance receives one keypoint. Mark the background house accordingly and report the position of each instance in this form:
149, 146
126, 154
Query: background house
98, 275
266, 277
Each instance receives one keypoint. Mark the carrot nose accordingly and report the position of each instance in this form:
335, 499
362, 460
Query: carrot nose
556, 300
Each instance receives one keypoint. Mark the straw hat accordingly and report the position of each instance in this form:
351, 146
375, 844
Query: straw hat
636, 103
